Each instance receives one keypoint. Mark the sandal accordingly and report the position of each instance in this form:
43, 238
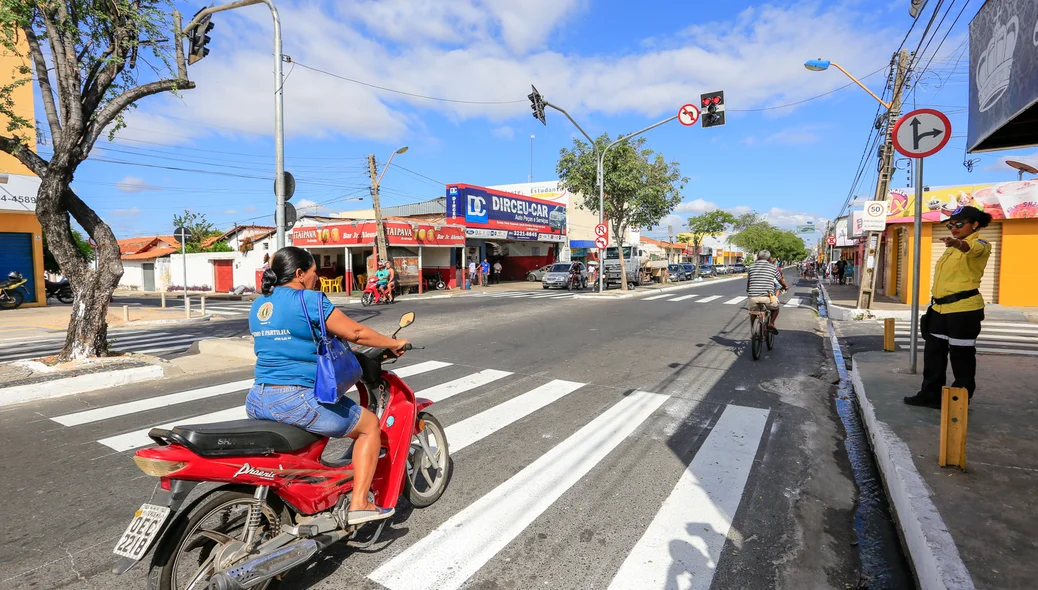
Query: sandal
363, 516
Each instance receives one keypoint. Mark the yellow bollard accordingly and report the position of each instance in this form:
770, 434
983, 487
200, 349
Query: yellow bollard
126, 314
888, 334
954, 413
163, 300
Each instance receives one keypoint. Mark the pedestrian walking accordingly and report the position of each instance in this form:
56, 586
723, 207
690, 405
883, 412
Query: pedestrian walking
841, 266
484, 272
951, 324
497, 272
472, 271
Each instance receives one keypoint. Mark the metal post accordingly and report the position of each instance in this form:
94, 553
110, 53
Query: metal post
202, 300
917, 232
531, 158
163, 299
183, 254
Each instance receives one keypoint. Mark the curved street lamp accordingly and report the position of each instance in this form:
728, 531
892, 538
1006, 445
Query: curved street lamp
380, 231
820, 65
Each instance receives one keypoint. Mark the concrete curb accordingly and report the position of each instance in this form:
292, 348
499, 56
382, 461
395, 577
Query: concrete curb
839, 313
78, 384
930, 546
227, 347
205, 318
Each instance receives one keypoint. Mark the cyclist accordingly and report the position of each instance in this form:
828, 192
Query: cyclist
760, 284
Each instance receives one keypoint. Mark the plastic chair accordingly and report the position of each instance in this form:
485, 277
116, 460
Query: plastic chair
337, 284
326, 285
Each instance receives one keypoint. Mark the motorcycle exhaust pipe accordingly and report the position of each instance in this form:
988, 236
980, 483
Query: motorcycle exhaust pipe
259, 570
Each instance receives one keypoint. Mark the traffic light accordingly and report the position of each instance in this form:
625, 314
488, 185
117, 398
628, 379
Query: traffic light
537, 104
713, 108
199, 38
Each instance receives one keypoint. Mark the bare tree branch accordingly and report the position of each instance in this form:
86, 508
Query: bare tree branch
15, 147
116, 106
66, 90
43, 79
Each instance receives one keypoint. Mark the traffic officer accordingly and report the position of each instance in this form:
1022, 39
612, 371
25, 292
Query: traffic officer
952, 322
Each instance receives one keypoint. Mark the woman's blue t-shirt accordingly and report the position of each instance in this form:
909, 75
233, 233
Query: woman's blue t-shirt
285, 345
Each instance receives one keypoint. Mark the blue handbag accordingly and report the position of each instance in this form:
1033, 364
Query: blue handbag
337, 368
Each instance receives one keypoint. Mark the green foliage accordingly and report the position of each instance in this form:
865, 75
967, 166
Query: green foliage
199, 229
754, 234
51, 265
641, 187
710, 223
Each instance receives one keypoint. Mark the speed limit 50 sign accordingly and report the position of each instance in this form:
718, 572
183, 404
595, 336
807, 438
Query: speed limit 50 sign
875, 217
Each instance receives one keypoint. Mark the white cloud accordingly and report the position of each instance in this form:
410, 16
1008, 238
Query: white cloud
1000, 164
739, 210
250, 208
309, 207
504, 132
134, 184
787, 219
131, 212
491, 50
788, 136
696, 206
677, 222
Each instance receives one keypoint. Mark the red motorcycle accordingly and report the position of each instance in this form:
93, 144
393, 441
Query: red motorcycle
278, 502
372, 293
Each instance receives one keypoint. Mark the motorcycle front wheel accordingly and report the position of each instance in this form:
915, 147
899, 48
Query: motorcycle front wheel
367, 299
64, 297
428, 463
185, 558
10, 299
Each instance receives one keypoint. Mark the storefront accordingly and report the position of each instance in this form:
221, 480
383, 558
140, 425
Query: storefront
346, 254
21, 236
522, 233
1009, 279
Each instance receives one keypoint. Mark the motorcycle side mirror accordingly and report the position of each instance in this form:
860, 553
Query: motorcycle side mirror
407, 319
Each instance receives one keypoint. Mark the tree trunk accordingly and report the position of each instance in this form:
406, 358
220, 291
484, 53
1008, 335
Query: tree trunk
87, 334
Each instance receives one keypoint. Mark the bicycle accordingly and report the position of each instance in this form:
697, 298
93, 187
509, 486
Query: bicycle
760, 318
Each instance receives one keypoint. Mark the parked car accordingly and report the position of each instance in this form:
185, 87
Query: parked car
675, 273
707, 270
538, 273
721, 269
568, 275
738, 268
690, 270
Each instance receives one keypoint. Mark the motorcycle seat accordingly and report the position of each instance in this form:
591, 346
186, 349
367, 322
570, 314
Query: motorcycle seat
6, 283
244, 437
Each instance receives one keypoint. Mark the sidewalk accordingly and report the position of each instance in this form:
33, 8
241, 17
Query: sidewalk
843, 304
29, 320
179, 296
968, 528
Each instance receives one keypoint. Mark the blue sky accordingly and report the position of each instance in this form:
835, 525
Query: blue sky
616, 69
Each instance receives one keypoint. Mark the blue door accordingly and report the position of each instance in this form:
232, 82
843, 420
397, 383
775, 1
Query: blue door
16, 255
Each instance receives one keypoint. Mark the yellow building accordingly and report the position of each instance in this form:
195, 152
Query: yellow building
21, 237
1010, 279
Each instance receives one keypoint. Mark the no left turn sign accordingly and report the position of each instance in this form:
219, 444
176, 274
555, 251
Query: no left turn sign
601, 242
921, 133
688, 115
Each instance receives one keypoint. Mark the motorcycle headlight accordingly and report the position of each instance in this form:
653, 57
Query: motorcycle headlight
158, 467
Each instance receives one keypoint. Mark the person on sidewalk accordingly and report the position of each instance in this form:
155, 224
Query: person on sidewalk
497, 272
484, 271
841, 267
951, 324
286, 365
472, 271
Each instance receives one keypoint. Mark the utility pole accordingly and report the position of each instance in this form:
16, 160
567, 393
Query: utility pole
670, 241
886, 169
380, 230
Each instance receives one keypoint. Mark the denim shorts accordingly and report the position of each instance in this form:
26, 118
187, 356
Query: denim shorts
296, 405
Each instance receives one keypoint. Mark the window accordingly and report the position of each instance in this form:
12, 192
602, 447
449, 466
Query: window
266, 245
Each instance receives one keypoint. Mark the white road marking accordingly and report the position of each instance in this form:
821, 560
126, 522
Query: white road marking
735, 300
144, 405
445, 558
683, 543
794, 302
470, 430
683, 297
443, 391
708, 299
656, 297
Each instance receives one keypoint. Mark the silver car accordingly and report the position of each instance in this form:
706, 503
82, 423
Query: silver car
569, 275
537, 274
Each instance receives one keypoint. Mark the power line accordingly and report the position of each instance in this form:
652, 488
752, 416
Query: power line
419, 174
412, 94
793, 104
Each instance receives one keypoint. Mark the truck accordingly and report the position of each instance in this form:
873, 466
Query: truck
635, 260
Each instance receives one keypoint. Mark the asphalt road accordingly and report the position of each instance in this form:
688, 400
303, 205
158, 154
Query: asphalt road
713, 470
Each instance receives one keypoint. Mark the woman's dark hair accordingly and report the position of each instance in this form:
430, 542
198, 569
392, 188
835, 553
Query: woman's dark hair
983, 219
283, 267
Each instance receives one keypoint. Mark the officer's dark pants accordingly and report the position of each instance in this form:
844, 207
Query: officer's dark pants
954, 335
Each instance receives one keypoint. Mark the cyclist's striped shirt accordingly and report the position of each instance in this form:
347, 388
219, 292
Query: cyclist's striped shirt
762, 276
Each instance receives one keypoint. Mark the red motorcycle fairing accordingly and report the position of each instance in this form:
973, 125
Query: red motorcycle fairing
300, 479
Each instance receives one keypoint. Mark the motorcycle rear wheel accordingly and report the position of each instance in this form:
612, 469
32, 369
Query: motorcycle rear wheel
10, 299
440, 285
176, 564
64, 297
427, 476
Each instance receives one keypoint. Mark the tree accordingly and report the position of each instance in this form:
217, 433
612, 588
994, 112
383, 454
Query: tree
200, 229
49, 262
756, 234
83, 56
706, 224
641, 187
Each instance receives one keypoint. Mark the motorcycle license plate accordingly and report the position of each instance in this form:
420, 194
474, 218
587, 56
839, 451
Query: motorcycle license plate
145, 526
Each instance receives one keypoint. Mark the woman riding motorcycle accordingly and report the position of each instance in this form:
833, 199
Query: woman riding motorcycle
286, 367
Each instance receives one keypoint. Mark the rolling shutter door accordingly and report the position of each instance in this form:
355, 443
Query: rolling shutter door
989, 282
16, 255
902, 253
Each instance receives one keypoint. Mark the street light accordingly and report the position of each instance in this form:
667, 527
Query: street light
819, 65
1021, 167
380, 232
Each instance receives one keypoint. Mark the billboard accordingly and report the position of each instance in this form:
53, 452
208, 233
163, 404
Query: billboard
363, 234
19, 193
489, 213
1004, 200
549, 190
1003, 83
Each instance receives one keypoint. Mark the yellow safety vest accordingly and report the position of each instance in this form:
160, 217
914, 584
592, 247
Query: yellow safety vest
959, 271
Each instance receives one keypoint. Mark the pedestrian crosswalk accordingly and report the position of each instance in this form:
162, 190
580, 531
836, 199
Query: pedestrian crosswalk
532, 294
699, 298
138, 341
228, 308
995, 338
486, 411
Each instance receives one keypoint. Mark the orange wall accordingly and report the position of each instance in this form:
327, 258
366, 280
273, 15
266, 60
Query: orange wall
1018, 276
890, 264
23, 103
924, 266
27, 223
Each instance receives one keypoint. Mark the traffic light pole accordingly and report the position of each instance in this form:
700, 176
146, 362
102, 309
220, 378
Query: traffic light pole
279, 105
